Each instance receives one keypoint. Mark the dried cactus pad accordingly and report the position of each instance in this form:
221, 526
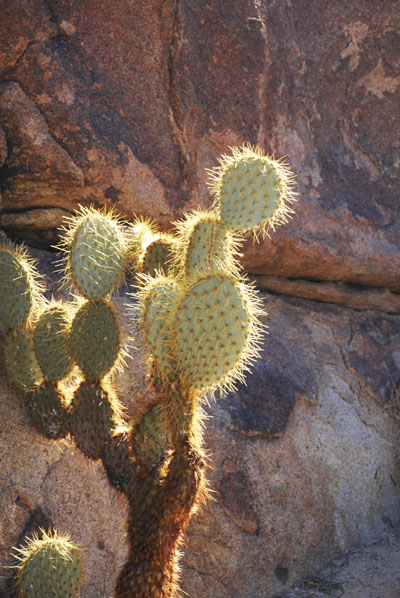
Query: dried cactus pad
19, 361
95, 339
212, 326
49, 568
15, 293
97, 255
51, 343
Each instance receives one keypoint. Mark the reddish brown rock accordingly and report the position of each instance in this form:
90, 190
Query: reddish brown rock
37, 166
356, 297
143, 97
125, 105
235, 496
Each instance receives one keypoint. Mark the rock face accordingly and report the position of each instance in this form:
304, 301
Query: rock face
124, 104
304, 460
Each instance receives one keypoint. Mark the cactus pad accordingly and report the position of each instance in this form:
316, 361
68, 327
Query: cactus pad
51, 342
17, 283
49, 567
19, 361
252, 190
93, 418
156, 300
95, 340
96, 258
156, 255
205, 245
49, 412
216, 330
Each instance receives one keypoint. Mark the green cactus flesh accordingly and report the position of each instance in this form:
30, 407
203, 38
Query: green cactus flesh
212, 322
157, 255
19, 360
15, 293
51, 343
157, 301
249, 194
97, 255
95, 339
92, 419
206, 244
49, 412
49, 568
148, 437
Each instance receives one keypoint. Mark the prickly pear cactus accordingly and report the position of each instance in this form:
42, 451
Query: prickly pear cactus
95, 339
51, 341
49, 567
19, 286
19, 360
96, 248
216, 331
251, 190
199, 320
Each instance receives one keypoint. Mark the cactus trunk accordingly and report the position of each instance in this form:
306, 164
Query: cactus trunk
158, 515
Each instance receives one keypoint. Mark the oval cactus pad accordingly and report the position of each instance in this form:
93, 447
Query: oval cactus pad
212, 326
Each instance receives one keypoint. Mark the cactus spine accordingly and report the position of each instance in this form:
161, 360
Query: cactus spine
199, 321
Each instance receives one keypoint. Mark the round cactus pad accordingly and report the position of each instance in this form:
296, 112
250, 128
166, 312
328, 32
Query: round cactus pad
249, 194
95, 339
212, 324
51, 343
49, 568
97, 256
19, 360
15, 292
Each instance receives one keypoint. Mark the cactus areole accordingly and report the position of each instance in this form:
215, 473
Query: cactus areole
198, 318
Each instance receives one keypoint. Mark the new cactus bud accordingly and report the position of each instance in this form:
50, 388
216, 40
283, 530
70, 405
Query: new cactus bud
142, 231
19, 360
251, 191
96, 253
156, 255
204, 244
49, 567
95, 339
51, 342
19, 286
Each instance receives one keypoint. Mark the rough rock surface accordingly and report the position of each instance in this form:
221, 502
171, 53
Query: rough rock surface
303, 461
372, 572
125, 104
